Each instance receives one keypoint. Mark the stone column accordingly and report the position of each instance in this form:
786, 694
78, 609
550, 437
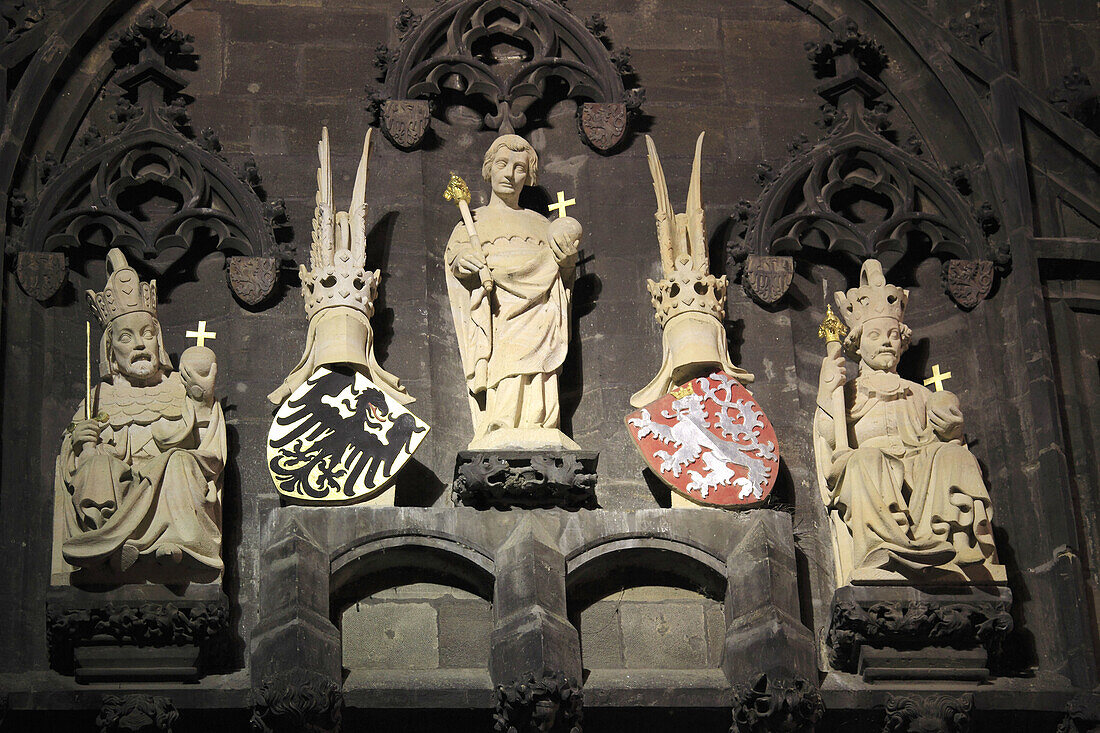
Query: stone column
764, 634
296, 656
531, 629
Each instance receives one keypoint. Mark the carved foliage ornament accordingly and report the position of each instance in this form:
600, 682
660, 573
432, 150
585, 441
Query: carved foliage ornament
150, 187
548, 703
503, 56
136, 714
297, 702
857, 194
150, 624
938, 714
904, 625
552, 479
767, 705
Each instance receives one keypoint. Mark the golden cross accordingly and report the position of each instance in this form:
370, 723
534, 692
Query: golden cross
561, 204
937, 378
202, 334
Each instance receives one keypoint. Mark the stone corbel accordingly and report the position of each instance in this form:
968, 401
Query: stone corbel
764, 705
296, 702
928, 714
539, 703
136, 714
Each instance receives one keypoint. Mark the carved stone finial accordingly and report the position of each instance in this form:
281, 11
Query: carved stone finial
298, 702
546, 703
766, 706
136, 714
923, 714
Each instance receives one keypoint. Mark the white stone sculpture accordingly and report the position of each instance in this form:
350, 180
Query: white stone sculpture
690, 302
509, 295
905, 496
139, 477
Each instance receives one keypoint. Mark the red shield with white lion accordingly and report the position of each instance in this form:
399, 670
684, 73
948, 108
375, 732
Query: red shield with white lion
710, 442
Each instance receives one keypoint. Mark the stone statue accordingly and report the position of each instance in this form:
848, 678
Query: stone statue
905, 496
690, 302
509, 295
139, 477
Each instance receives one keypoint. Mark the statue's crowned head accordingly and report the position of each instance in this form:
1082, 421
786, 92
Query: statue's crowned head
508, 146
874, 312
132, 343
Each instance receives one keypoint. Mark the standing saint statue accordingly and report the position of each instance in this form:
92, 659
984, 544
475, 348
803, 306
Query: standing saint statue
906, 497
139, 477
509, 277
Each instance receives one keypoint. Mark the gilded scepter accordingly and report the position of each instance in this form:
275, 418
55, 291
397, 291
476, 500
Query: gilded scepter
833, 331
459, 192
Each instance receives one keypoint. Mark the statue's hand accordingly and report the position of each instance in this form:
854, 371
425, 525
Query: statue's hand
85, 432
945, 416
199, 371
564, 235
834, 374
468, 262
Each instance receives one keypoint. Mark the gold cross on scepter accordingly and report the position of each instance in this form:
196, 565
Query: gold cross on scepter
937, 378
561, 204
202, 334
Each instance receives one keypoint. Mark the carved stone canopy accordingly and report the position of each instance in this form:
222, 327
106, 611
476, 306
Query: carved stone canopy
150, 187
503, 56
857, 194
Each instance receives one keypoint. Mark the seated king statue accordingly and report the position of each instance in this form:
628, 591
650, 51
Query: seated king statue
905, 496
509, 287
139, 477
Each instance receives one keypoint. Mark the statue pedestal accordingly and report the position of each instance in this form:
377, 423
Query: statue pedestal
918, 633
502, 479
139, 633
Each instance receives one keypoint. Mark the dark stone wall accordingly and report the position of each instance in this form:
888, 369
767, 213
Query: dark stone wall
272, 72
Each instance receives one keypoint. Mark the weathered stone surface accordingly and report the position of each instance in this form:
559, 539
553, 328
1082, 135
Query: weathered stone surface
464, 629
664, 636
379, 635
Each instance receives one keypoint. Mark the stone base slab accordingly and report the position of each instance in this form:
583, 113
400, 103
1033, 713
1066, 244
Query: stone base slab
879, 665
526, 479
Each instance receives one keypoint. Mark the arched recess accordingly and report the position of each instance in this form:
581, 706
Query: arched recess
378, 563
645, 602
412, 603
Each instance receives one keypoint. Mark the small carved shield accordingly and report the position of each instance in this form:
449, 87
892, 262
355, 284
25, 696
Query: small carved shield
41, 274
603, 124
338, 438
252, 279
710, 442
405, 121
767, 278
969, 281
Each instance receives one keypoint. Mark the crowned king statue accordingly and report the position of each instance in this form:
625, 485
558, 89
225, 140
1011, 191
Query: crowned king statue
905, 496
139, 477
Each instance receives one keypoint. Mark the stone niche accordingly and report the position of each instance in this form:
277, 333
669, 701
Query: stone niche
423, 626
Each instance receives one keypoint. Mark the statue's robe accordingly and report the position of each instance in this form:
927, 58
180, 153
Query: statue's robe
903, 502
153, 481
513, 341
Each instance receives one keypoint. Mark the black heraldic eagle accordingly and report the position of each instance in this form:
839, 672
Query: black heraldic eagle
340, 449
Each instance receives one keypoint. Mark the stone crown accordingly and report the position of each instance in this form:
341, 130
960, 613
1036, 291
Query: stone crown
124, 292
338, 277
687, 290
873, 298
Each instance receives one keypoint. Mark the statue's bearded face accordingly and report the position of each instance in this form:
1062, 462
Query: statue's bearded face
509, 172
135, 348
880, 344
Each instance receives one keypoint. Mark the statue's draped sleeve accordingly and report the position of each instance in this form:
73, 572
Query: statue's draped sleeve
470, 309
